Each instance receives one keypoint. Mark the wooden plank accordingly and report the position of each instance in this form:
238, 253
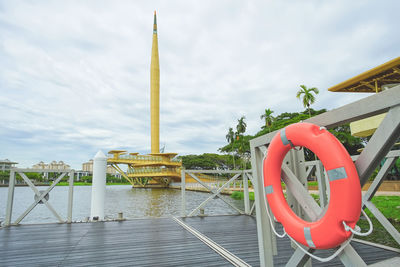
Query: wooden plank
148, 242
238, 235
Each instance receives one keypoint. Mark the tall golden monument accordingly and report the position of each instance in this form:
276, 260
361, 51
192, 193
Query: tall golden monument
156, 169
155, 92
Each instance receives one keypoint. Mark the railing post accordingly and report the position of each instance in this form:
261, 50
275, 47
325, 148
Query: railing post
266, 243
246, 193
183, 187
379, 145
11, 187
323, 195
98, 186
292, 157
70, 195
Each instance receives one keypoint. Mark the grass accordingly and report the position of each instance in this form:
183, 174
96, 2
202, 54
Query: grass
390, 208
379, 234
240, 195
312, 183
388, 205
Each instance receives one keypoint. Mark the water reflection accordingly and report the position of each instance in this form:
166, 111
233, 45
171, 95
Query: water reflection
133, 202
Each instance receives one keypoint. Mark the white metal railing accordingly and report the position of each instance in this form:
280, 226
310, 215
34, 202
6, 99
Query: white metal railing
236, 185
377, 148
215, 188
315, 167
143, 170
40, 197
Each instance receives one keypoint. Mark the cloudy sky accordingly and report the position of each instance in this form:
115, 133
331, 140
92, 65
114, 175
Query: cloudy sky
75, 75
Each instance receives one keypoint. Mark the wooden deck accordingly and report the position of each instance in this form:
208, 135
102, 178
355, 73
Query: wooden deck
146, 242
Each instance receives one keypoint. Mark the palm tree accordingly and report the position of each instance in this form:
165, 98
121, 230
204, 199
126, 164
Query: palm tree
308, 97
241, 127
240, 130
267, 116
230, 137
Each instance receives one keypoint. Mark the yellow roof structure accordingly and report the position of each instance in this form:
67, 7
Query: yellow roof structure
160, 167
169, 155
372, 80
116, 151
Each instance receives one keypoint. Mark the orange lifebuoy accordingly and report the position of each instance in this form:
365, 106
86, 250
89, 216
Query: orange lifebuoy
345, 191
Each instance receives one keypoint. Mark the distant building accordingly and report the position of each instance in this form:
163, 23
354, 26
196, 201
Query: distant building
54, 165
6, 165
88, 167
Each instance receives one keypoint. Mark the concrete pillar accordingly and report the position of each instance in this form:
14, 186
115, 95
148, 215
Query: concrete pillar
98, 186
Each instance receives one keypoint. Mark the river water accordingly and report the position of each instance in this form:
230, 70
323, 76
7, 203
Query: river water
133, 202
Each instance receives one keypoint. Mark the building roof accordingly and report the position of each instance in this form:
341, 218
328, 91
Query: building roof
7, 161
371, 81
116, 151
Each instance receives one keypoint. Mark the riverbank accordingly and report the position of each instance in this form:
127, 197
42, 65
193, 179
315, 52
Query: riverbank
21, 185
64, 184
88, 184
202, 189
231, 191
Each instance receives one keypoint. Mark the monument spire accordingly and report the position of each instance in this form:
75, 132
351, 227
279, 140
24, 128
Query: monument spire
155, 92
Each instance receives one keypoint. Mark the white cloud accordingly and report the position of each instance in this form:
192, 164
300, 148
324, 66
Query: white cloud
74, 76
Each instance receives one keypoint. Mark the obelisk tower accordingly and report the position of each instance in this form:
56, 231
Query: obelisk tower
155, 92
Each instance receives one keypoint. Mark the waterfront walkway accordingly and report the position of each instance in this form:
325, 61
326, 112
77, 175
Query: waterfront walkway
148, 242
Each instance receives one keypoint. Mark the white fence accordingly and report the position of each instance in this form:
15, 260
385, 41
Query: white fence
40, 197
217, 187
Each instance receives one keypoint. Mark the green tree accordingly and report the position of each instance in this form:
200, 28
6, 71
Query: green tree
307, 97
33, 176
241, 126
206, 161
230, 137
268, 118
240, 130
242, 145
86, 179
343, 134
4, 177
